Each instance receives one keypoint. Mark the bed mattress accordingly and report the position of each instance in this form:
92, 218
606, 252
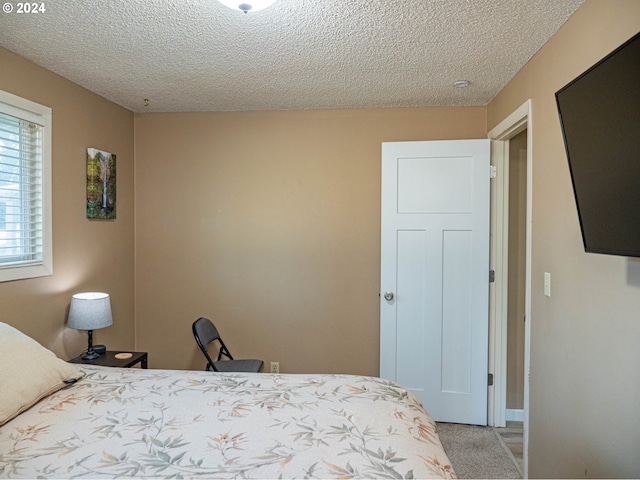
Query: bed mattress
162, 423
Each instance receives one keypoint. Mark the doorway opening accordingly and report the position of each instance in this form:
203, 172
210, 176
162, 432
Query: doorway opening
510, 259
517, 276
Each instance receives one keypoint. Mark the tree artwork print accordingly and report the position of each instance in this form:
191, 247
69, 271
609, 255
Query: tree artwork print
101, 184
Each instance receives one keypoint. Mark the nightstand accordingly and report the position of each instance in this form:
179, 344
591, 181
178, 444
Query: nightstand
108, 359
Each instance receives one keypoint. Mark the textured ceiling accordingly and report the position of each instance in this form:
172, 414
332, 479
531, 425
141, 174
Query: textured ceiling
197, 55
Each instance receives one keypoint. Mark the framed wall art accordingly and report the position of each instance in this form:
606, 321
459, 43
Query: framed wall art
101, 184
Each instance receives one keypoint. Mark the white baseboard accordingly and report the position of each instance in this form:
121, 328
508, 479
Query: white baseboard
514, 415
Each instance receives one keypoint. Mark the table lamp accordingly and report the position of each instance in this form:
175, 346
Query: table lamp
90, 311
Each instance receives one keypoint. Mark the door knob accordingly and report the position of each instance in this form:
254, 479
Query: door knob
388, 296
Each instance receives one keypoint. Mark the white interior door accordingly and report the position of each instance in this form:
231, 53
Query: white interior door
435, 274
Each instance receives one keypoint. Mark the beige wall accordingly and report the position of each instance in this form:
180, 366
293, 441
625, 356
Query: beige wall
269, 224
87, 255
584, 384
517, 270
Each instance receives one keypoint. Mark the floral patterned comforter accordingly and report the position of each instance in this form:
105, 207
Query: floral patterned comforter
161, 423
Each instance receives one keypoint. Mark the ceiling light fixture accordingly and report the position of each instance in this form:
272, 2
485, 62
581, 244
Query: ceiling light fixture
248, 6
461, 83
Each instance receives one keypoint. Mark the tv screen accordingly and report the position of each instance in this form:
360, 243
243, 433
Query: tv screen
600, 117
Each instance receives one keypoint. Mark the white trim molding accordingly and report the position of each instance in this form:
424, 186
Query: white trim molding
516, 122
515, 415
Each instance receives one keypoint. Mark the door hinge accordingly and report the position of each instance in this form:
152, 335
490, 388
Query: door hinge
493, 172
492, 276
490, 381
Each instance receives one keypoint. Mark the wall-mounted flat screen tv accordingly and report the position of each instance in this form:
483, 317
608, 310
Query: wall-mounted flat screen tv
600, 116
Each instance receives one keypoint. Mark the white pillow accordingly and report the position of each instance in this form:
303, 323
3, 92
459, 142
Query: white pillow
28, 372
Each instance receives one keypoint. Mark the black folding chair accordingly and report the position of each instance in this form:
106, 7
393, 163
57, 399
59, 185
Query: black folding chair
205, 332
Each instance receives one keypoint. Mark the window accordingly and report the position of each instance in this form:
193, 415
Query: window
3, 215
25, 188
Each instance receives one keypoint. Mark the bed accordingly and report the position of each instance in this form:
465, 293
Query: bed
115, 422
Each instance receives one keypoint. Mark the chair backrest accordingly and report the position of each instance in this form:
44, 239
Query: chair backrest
206, 332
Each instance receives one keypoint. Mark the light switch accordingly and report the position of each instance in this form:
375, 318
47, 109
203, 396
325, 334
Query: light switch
547, 284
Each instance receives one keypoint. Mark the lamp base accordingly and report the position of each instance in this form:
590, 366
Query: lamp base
90, 355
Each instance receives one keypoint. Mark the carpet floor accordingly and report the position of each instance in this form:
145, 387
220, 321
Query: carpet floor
477, 452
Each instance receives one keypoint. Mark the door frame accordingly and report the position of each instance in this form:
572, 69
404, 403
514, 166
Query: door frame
516, 122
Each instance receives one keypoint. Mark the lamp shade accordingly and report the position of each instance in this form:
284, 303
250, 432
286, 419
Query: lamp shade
90, 311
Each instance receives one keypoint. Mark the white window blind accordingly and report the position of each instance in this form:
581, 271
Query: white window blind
25, 240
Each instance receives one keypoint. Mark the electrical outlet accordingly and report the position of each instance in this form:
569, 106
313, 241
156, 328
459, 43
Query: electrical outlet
275, 367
